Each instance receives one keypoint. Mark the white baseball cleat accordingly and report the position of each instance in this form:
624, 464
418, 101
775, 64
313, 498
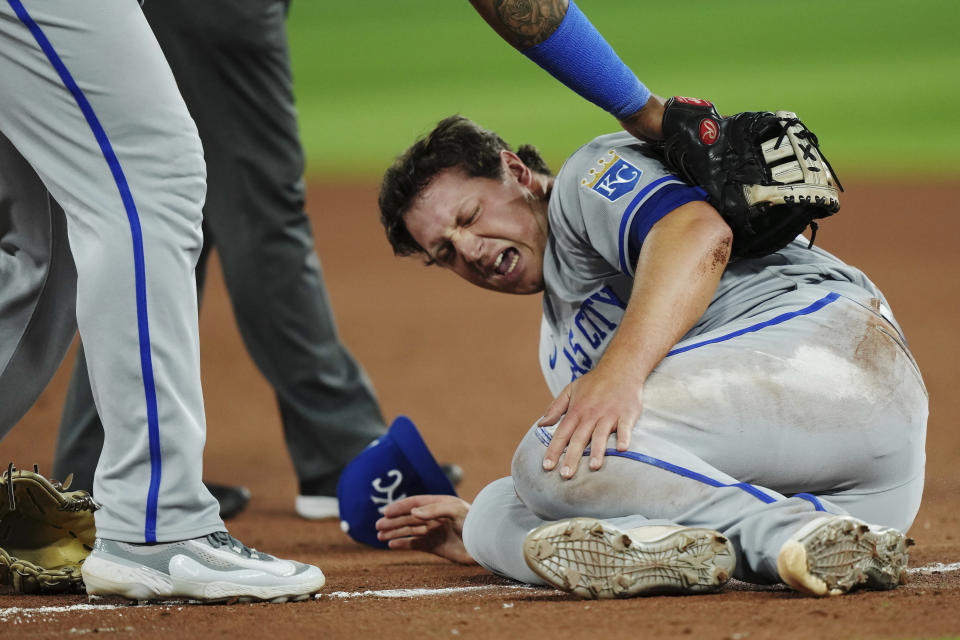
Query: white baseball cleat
213, 568
317, 507
592, 559
834, 554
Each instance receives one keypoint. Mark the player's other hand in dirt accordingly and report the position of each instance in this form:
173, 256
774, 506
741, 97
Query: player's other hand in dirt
430, 523
592, 407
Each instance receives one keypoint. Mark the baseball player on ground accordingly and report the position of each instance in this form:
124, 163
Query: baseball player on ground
710, 419
101, 188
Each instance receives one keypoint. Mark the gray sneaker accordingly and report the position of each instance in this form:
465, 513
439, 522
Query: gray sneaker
214, 568
834, 554
592, 559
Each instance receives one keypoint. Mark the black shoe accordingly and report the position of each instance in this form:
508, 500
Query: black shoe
453, 472
232, 499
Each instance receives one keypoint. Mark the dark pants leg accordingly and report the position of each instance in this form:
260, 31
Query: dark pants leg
232, 65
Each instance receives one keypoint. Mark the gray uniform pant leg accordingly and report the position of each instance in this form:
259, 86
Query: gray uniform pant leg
498, 522
812, 406
38, 285
231, 61
88, 100
80, 438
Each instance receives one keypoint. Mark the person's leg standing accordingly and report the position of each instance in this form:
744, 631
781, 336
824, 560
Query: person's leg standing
231, 61
242, 101
88, 100
80, 437
37, 286
90, 103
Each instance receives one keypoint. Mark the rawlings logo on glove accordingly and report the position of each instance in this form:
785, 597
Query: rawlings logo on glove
709, 131
764, 172
46, 532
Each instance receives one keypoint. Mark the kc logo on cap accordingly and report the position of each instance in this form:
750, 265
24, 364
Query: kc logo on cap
393, 467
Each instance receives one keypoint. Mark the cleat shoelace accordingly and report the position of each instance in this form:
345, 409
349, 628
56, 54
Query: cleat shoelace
220, 539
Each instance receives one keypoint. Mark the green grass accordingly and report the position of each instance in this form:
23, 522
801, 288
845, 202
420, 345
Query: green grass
877, 80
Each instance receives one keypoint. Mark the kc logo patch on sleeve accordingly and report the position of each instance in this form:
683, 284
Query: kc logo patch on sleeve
612, 177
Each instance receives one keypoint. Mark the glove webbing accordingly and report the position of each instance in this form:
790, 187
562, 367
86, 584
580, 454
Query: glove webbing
806, 134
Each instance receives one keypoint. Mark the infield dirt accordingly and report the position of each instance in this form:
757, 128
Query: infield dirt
462, 363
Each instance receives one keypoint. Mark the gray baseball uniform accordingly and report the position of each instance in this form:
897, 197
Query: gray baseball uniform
795, 392
231, 62
91, 117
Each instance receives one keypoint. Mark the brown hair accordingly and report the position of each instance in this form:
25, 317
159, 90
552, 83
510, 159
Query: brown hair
455, 142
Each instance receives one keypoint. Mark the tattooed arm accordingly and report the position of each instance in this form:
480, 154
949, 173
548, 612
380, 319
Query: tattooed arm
528, 24
522, 23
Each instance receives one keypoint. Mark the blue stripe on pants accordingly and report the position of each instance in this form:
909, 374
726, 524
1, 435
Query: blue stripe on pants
783, 317
146, 365
545, 439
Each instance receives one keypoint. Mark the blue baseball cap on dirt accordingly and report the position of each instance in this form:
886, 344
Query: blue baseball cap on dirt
395, 466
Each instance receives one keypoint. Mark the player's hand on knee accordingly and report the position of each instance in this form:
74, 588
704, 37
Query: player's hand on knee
592, 408
429, 523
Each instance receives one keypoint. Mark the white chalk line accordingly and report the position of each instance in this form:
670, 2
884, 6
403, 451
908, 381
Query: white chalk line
936, 567
420, 593
73, 607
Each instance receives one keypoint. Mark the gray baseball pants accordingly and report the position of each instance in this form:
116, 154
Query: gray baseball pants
231, 62
93, 122
752, 429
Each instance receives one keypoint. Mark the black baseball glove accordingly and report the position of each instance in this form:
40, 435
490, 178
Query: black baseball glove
764, 172
46, 532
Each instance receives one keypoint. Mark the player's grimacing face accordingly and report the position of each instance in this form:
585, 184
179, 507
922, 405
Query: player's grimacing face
490, 232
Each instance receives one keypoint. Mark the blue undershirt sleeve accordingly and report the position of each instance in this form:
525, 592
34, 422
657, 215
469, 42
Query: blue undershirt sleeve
579, 57
653, 209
